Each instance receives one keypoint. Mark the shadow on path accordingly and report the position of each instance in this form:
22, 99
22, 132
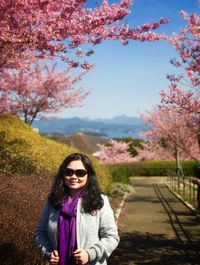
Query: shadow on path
138, 248
156, 228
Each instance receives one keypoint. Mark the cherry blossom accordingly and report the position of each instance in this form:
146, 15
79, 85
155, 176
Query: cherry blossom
53, 28
114, 152
171, 132
39, 90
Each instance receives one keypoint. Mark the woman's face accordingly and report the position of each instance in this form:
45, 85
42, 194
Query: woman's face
75, 176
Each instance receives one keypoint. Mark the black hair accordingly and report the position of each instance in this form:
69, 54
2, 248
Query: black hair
91, 197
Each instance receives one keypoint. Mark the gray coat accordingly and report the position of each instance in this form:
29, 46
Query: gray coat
97, 234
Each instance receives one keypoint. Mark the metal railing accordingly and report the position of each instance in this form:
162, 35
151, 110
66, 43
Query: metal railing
187, 188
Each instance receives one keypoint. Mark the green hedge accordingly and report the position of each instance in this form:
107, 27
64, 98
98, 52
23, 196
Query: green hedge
122, 172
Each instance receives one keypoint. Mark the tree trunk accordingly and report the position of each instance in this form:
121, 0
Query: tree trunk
179, 170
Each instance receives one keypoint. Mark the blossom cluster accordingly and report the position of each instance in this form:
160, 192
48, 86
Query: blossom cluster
114, 152
52, 28
40, 90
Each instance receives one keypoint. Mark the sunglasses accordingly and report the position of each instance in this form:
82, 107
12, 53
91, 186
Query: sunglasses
78, 172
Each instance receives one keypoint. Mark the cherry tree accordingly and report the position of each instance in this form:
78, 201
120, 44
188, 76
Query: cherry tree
47, 28
151, 150
39, 91
176, 122
187, 105
170, 131
183, 95
113, 153
186, 43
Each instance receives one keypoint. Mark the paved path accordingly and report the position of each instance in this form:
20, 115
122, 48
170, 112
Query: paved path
156, 228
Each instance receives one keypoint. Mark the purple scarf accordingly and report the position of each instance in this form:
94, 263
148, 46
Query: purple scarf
67, 230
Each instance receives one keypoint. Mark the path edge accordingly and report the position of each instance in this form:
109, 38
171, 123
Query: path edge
182, 200
119, 209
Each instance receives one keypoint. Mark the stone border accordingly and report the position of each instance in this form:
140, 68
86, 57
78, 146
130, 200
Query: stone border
118, 211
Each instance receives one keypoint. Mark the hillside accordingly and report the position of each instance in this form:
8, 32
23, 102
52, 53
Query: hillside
23, 150
84, 142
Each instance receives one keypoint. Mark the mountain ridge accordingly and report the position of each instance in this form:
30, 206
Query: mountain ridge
121, 119
117, 127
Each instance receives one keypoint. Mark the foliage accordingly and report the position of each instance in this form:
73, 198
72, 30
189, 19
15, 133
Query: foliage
119, 189
150, 168
11, 156
120, 173
23, 151
133, 144
21, 199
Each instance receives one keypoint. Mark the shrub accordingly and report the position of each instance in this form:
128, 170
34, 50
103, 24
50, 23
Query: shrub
21, 199
121, 172
134, 144
119, 190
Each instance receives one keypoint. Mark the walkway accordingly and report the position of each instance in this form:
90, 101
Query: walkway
156, 228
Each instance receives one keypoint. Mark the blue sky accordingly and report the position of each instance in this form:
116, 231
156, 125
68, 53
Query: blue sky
127, 79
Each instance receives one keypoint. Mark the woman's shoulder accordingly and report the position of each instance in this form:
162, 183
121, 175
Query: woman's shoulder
104, 197
106, 203
47, 207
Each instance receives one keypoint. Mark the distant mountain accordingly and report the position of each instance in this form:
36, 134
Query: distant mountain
118, 127
122, 119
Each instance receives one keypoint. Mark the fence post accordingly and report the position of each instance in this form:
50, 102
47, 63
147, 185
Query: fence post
190, 189
178, 183
184, 186
197, 175
198, 197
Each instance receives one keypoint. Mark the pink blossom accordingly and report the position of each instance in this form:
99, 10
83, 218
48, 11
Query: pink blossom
39, 90
170, 131
114, 152
87, 66
73, 64
79, 53
48, 28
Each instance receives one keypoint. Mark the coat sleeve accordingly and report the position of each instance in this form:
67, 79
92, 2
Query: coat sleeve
108, 234
41, 232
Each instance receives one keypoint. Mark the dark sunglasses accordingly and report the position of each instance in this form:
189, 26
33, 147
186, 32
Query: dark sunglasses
78, 172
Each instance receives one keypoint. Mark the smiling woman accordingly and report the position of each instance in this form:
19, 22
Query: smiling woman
77, 224
75, 177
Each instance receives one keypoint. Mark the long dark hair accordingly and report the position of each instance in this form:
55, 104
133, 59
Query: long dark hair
91, 197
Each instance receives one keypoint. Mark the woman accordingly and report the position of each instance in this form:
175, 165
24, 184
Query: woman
77, 224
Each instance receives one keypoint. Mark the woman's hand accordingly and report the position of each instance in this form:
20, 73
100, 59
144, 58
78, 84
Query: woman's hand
54, 258
81, 256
